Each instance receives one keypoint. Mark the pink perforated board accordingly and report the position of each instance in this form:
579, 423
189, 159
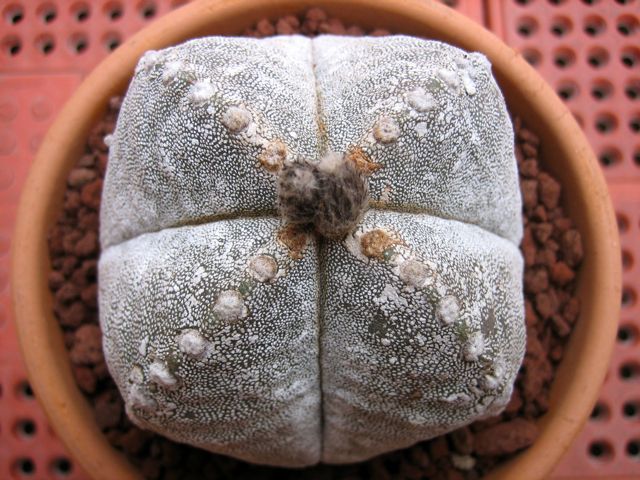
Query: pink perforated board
589, 50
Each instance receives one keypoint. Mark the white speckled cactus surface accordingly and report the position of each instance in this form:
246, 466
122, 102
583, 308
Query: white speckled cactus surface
310, 247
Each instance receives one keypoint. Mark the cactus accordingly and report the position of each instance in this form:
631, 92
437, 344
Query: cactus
310, 246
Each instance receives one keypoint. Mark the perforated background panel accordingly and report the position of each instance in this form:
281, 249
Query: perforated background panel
588, 50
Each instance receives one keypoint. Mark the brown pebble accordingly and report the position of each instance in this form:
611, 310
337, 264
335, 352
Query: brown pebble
419, 456
557, 352
85, 378
562, 224
88, 220
462, 440
529, 150
265, 28
546, 336
56, 237
285, 28
355, 31
113, 437
96, 141
72, 201
134, 440
546, 257
530, 315
549, 190
536, 280
103, 159
519, 156
528, 248
529, 168
68, 339
108, 409
89, 295
293, 21
333, 26
56, 279
529, 190
115, 103
517, 127
542, 402
73, 315
507, 437
379, 32
560, 325
530, 409
78, 278
561, 274
572, 247
542, 232
67, 292
57, 263
515, 403
527, 136
438, 448
87, 245
79, 176
571, 310
316, 14
555, 213
69, 264
539, 214
538, 369
87, 347
88, 160
101, 371
546, 303
90, 268
90, 194
69, 241
484, 424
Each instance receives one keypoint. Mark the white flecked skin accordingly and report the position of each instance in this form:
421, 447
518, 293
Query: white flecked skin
217, 337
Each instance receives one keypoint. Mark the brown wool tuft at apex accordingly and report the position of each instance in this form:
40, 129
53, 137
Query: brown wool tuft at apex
331, 195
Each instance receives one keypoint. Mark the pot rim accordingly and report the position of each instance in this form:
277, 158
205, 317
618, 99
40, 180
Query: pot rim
577, 384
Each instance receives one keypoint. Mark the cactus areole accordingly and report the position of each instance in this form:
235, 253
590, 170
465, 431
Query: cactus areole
310, 246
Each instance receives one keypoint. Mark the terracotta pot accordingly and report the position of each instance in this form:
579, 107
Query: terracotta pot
566, 155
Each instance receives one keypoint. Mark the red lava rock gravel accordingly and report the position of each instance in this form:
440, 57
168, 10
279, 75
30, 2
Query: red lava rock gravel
505, 437
551, 247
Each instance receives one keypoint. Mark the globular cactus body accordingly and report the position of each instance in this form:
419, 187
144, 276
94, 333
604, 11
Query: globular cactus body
239, 319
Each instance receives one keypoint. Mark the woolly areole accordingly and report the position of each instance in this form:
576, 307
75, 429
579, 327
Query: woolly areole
310, 246
330, 195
